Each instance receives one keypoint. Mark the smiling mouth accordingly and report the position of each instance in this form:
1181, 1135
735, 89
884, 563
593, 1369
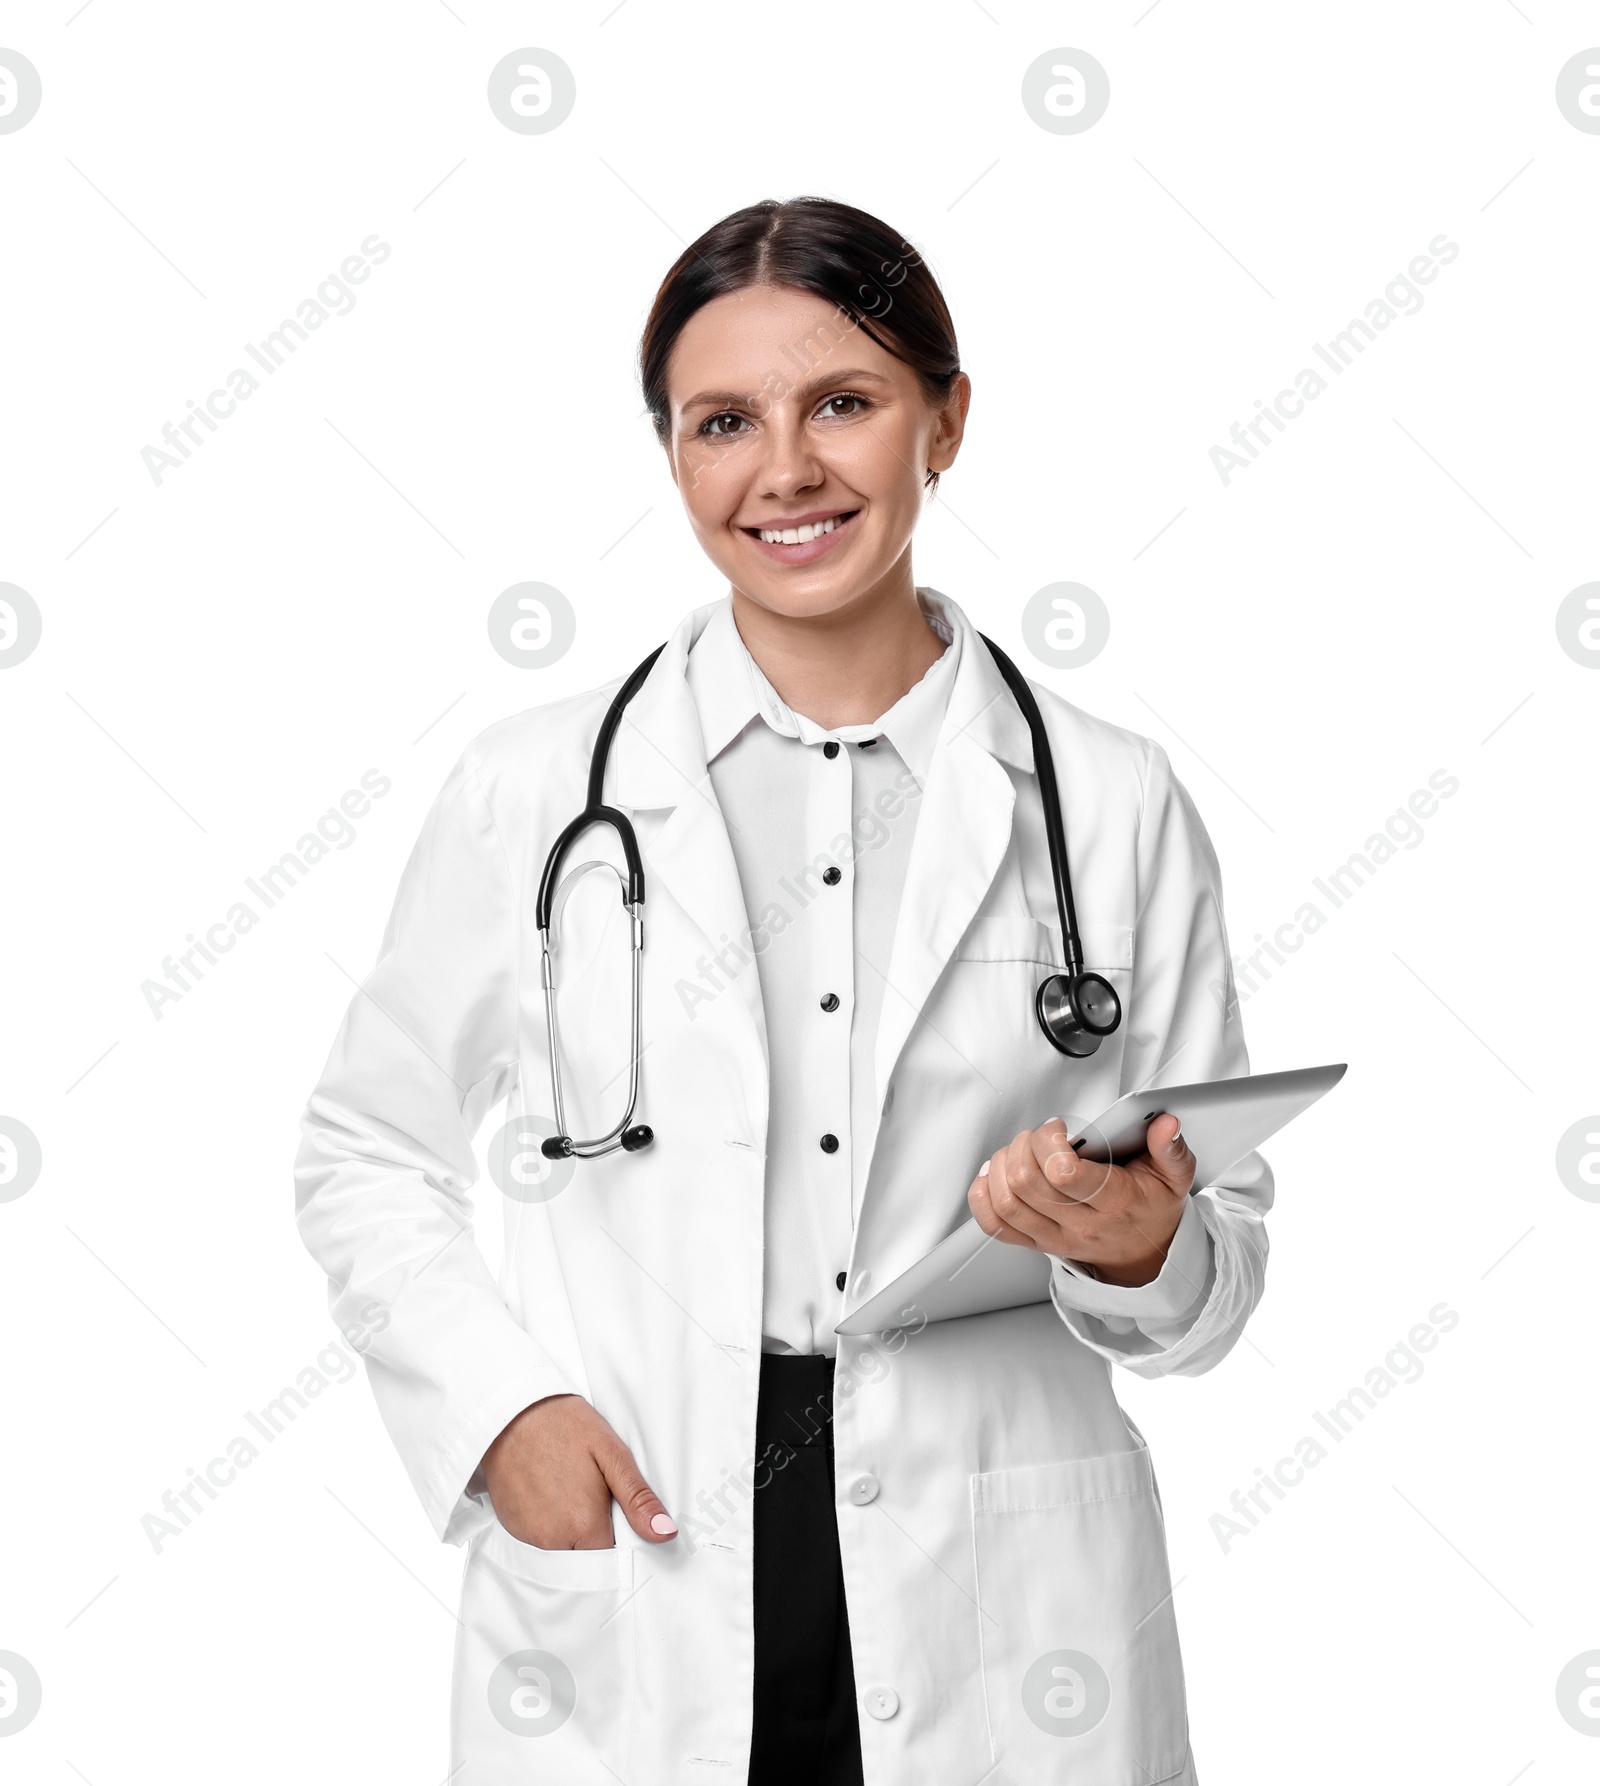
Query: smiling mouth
800, 536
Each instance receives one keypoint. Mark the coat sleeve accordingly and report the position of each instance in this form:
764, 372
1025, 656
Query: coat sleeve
427, 1048
1183, 1026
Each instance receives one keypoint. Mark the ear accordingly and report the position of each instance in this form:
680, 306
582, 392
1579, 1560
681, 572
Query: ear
950, 424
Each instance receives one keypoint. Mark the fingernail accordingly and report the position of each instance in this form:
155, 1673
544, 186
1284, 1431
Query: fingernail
983, 1170
1177, 1134
662, 1525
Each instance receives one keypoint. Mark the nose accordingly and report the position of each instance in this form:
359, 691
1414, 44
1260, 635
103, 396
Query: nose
790, 463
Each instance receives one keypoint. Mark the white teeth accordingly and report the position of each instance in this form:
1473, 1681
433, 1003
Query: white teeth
797, 536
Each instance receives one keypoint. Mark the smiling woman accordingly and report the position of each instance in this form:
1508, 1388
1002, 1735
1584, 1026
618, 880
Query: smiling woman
931, 1554
761, 361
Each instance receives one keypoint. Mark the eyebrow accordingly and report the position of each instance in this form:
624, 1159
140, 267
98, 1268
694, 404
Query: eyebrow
731, 399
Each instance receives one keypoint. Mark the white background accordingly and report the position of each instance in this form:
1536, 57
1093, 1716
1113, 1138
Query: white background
225, 653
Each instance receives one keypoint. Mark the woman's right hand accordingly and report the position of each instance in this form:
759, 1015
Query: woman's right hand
554, 1472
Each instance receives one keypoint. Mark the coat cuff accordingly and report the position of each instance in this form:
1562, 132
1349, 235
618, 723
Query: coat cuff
448, 1380
458, 1498
1175, 1292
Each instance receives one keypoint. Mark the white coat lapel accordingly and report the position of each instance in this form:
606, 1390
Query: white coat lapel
963, 831
658, 759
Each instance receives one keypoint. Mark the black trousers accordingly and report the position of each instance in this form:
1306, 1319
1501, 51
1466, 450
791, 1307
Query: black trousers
806, 1733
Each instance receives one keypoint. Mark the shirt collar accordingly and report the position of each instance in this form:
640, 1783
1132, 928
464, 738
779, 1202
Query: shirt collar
731, 690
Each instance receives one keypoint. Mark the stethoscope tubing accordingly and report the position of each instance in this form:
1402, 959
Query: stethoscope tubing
1054, 827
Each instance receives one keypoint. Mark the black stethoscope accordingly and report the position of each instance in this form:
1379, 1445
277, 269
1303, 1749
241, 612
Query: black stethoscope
1076, 1009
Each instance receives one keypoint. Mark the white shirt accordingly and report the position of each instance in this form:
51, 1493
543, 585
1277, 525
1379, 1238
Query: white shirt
801, 802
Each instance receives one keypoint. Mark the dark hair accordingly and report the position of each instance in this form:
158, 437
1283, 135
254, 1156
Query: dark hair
817, 245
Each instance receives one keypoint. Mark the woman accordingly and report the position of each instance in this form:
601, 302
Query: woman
706, 1537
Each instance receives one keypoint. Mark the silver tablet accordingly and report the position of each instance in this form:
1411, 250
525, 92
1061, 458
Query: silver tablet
968, 1273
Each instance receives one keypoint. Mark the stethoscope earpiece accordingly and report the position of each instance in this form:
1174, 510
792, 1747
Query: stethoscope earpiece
562, 1147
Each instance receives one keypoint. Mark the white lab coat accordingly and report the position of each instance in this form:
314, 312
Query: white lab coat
999, 1522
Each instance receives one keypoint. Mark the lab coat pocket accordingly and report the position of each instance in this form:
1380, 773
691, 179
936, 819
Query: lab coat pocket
997, 969
1081, 1670
544, 1663
1010, 939
1107, 948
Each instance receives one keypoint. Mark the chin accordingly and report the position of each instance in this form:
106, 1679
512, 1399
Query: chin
798, 604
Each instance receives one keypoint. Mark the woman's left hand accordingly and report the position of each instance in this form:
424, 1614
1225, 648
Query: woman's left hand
1120, 1219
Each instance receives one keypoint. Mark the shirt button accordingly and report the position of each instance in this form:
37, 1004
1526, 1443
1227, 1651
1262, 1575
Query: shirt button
830, 1143
863, 1490
830, 1001
831, 876
863, 1282
881, 1702
867, 743
839, 1281
830, 749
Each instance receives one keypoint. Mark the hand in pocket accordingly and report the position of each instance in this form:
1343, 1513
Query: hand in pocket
554, 1471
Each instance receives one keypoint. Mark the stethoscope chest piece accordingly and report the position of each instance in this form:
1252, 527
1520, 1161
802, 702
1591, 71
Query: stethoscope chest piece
1077, 1011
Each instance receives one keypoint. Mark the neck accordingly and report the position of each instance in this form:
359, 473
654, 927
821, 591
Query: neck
847, 667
